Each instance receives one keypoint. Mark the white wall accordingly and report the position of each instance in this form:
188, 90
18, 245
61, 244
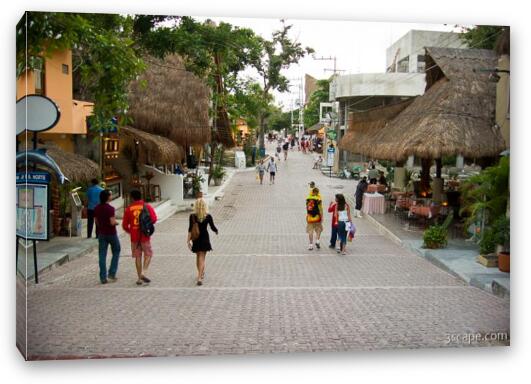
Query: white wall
413, 43
378, 84
171, 186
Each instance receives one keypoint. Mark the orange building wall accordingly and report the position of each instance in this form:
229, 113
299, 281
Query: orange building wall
58, 87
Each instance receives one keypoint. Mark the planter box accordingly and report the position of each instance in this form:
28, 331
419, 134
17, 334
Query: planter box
490, 261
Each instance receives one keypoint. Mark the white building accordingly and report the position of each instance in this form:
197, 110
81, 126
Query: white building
407, 53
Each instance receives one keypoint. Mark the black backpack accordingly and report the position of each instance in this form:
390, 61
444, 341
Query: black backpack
146, 224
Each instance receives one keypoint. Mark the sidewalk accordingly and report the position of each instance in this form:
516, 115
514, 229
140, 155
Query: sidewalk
60, 249
458, 258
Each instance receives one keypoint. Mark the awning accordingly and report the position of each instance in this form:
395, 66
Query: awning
153, 149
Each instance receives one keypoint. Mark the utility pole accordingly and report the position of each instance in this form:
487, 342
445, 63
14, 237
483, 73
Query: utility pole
330, 58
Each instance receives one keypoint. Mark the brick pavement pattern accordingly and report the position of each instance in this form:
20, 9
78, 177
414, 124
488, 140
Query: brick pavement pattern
264, 291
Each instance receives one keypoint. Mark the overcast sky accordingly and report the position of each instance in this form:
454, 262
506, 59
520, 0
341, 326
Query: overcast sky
359, 47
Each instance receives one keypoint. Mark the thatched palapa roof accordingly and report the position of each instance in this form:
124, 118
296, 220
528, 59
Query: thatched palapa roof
153, 149
454, 116
366, 128
75, 167
171, 102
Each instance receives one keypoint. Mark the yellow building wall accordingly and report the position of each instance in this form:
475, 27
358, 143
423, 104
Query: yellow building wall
503, 99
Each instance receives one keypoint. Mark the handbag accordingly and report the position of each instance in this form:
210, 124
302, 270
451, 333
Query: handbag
194, 233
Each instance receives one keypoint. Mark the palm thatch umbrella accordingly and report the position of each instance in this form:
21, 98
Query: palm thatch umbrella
150, 148
171, 102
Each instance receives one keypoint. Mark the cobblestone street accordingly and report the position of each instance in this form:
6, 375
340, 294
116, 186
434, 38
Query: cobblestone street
264, 291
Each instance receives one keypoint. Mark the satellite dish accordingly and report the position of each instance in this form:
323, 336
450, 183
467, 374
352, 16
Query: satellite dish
36, 113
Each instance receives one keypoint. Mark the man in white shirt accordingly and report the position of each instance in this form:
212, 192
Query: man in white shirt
272, 169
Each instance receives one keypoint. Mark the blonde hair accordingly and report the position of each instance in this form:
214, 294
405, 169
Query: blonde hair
200, 209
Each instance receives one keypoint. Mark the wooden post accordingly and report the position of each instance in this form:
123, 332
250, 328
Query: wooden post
438, 164
425, 175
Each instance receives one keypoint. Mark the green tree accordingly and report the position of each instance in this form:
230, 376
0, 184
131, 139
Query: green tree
321, 95
104, 57
481, 36
279, 53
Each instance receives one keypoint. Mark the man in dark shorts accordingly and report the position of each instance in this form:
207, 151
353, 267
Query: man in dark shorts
272, 169
106, 223
285, 148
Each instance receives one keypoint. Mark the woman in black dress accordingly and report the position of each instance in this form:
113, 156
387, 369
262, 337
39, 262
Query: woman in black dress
201, 245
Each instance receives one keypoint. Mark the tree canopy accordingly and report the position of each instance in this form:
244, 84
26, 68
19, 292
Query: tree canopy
482, 36
104, 56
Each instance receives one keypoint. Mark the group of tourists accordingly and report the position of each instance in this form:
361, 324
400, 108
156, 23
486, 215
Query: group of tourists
342, 227
138, 222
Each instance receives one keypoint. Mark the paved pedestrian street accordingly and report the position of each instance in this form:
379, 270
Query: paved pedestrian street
264, 291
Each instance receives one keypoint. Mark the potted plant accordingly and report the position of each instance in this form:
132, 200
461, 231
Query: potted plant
196, 183
487, 248
501, 228
435, 237
217, 174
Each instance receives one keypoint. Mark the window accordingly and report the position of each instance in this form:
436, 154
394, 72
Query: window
421, 63
65, 69
403, 65
38, 73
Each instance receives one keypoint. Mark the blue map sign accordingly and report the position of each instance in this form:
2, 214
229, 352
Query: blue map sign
32, 205
33, 177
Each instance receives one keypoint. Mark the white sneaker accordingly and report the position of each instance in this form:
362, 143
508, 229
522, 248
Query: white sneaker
310, 247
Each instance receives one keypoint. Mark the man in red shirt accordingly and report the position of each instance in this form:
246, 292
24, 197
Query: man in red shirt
140, 243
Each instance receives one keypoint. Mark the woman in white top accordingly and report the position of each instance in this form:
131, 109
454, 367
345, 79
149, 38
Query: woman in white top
343, 217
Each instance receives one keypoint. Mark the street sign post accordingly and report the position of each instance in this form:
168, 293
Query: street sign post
330, 153
34, 113
32, 210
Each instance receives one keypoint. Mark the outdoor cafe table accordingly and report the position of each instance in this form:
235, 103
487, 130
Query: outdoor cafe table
420, 210
373, 203
371, 188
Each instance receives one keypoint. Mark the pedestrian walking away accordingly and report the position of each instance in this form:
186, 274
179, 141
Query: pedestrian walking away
314, 217
104, 215
360, 190
272, 169
198, 239
278, 150
285, 148
138, 217
260, 170
93, 199
333, 236
342, 211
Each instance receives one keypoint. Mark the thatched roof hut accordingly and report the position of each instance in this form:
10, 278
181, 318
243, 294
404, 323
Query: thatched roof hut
454, 116
150, 148
367, 128
75, 167
171, 102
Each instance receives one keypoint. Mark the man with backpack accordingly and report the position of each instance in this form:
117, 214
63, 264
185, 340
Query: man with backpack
139, 219
285, 148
